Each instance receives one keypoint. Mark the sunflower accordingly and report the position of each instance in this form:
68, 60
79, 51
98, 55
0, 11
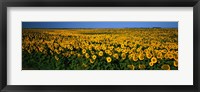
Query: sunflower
29, 51
148, 55
146, 50
164, 51
116, 56
135, 58
83, 51
79, 55
159, 55
170, 55
124, 51
72, 52
97, 48
57, 51
118, 49
138, 50
111, 47
104, 47
151, 63
132, 67
130, 56
141, 56
94, 57
101, 53
91, 61
110, 53
123, 55
56, 58
166, 56
122, 45
153, 60
176, 63
71, 48
141, 66
90, 47
165, 67
175, 57
87, 55
108, 59
107, 51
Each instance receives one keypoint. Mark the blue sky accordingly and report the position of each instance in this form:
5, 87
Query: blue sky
98, 24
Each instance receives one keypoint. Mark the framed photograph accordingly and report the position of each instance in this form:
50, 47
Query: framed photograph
91, 45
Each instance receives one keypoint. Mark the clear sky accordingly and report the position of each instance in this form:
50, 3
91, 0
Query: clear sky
99, 24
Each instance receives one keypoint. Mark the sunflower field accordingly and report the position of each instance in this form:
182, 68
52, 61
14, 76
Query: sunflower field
100, 49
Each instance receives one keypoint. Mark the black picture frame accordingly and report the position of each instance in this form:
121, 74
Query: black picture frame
98, 3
